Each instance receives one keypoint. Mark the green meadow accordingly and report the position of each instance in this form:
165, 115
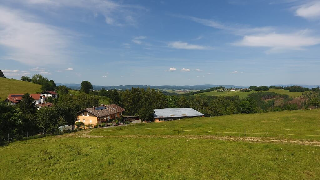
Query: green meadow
12, 86
278, 145
245, 94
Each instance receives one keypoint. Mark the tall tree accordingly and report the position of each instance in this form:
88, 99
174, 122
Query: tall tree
27, 104
46, 84
25, 78
86, 86
27, 120
1, 74
62, 90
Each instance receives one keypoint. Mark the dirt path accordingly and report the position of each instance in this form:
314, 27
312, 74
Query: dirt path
85, 134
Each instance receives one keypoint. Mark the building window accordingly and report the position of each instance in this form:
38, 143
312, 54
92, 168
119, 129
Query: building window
90, 121
84, 120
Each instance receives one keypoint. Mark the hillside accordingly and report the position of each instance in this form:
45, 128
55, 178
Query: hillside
280, 145
12, 86
245, 94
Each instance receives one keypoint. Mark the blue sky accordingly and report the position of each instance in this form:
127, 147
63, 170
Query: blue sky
162, 42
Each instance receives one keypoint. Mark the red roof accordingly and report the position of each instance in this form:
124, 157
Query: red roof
51, 92
14, 98
35, 96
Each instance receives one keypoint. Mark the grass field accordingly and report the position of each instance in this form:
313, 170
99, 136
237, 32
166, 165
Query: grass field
293, 125
12, 86
245, 94
201, 148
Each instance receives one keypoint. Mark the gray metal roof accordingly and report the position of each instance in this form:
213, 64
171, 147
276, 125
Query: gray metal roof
176, 113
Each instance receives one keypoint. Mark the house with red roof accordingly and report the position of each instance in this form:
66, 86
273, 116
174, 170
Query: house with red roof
39, 99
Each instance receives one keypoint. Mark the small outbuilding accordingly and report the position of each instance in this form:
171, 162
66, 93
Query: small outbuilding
168, 114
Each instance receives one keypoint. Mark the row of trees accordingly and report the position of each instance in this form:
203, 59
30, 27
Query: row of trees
46, 84
142, 102
24, 119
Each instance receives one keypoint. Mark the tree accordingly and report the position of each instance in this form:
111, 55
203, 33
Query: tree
62, 90
1, 74
27, 105
86, 86
48, 86
25, 78
39, 79
49, 120
28, 110
44, 82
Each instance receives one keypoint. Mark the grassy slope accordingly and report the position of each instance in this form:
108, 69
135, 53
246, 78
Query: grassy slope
114, 156
281, 125
245, 94
12, 86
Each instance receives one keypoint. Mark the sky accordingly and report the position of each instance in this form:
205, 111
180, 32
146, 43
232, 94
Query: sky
162, 42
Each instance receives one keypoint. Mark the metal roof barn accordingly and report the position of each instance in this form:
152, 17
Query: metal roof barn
176, 113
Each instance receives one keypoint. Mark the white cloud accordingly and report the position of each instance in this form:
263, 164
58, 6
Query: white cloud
44, 72
115, 13
185, 70
183, 45
30, 42
236, 29
69, 69
38, 69
15, 72
199, 70
126, 45
9, 71
309, 11
104, 76
172, 69
278, 42
234, 72
138, 39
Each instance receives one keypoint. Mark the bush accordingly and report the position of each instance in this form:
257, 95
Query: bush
79, 124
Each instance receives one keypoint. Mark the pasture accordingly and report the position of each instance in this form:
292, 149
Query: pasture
245, 94
280, 145
12, 86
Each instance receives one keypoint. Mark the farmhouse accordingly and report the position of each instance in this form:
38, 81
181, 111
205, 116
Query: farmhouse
98, 115
16, 98
175, 113
50, 94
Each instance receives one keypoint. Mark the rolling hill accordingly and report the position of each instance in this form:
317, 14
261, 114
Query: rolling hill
245, 94
12, 86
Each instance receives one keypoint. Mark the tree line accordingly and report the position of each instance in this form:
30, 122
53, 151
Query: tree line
23, 120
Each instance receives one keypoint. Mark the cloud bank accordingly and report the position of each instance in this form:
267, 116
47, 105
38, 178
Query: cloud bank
309, 11
276, 41
29, 41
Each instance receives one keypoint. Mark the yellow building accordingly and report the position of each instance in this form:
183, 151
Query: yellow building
97, 115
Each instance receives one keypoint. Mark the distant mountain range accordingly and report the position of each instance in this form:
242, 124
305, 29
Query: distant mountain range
164, 87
